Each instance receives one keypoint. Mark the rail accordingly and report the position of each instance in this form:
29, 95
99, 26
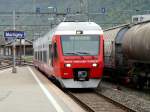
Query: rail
94, 101
6, 62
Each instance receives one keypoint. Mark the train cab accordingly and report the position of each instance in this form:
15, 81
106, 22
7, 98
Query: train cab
76, 54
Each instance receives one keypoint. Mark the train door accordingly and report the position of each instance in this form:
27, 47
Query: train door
55, 59
54, 54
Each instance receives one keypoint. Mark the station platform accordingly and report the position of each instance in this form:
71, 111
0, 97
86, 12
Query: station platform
29, 91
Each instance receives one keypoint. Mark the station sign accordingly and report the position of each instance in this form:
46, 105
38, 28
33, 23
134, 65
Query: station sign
9, 35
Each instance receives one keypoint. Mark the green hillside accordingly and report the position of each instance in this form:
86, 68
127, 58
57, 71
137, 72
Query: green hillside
107, 13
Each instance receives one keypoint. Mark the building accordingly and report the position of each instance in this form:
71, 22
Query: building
2, 46
23, 48
140, 18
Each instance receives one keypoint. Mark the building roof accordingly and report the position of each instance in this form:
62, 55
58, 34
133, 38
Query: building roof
17, 43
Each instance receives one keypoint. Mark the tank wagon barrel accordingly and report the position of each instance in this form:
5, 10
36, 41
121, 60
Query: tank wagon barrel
113, 45
136, 43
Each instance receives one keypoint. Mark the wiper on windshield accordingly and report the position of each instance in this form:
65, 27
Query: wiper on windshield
77, 53
86, 53
70, 53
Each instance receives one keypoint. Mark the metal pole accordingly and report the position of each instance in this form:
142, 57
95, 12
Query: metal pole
24, 50
20, 51
14, 70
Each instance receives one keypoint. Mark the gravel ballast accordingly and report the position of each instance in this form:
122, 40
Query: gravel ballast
131, 101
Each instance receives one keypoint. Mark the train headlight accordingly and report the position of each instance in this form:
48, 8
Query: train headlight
67, 65
94, 64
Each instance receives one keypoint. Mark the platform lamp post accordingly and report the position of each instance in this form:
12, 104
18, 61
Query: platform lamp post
14, 70
24, 47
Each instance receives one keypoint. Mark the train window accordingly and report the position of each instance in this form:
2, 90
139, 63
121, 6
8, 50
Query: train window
55, 50
35, 55
80, 45
40, 55
50, 50
45, 56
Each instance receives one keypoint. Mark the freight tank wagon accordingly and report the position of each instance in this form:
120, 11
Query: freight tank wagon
136, 48
127, 50
72, 53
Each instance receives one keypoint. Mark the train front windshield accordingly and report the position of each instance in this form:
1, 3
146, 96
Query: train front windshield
87, 45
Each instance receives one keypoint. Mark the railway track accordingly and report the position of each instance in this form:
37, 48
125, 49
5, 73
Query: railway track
134, 99
6, 66
8, 63
5, 63
95, 102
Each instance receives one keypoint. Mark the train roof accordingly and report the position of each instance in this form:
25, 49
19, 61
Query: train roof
72, 27
78, 25
129, 25
116, 27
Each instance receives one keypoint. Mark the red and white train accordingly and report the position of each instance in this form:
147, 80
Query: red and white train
73, 53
